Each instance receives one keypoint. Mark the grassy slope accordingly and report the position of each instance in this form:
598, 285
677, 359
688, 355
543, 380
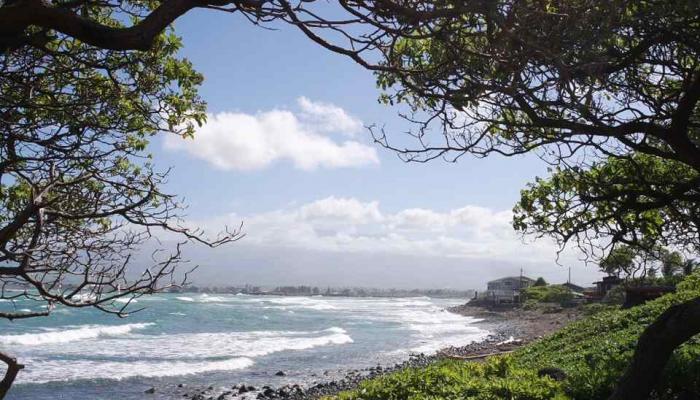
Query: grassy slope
593, 352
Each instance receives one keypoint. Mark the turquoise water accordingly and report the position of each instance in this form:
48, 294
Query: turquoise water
221, 340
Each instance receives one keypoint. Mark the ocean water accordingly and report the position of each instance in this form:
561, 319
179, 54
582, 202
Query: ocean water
221, 340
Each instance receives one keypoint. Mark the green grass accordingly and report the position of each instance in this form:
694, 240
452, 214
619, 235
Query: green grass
593, 352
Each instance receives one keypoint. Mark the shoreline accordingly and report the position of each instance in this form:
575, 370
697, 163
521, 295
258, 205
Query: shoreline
510, 329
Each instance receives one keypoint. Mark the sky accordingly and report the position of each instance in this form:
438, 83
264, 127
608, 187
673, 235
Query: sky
286, 151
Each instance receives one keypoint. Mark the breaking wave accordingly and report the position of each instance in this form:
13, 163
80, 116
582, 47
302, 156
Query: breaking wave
44, 371
72, 334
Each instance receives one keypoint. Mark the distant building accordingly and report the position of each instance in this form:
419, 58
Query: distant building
607, 284
506, 290
602, 288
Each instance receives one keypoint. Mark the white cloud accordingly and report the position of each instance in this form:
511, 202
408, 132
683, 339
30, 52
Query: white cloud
239, 141
350, 225
328, 117
341, 209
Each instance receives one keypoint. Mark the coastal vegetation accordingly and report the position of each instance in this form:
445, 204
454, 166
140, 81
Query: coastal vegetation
582, 361
547, 294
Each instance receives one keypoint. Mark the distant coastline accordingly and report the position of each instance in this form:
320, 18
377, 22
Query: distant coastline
327, 291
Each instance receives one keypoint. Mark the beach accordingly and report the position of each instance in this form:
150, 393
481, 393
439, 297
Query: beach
509, 329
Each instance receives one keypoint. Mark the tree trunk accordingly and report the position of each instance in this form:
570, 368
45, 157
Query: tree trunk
654, 348
12, 369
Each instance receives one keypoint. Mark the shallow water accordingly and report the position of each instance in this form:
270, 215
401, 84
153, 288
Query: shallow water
221, 340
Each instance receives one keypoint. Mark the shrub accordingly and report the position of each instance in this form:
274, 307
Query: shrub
548, 294
595, 308
497, 378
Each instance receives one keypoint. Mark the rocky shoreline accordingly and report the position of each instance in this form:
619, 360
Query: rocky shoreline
510, 329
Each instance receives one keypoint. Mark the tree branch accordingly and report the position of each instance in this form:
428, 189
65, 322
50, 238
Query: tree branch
17, 17
13, 367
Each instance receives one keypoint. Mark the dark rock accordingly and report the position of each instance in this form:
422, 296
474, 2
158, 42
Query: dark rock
243, 389
280, 373
150, 391
250, 388
554, 373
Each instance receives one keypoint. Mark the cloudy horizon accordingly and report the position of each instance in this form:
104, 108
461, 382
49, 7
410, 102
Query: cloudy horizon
285, 150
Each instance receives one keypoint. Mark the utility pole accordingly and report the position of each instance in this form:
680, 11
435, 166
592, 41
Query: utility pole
569, 280
520, 287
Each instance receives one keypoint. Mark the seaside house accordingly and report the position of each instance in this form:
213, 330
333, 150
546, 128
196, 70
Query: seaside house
506, 290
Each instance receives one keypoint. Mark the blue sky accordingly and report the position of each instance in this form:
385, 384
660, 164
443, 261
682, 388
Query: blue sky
285, 151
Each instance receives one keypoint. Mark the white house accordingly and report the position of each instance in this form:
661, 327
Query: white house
507, 290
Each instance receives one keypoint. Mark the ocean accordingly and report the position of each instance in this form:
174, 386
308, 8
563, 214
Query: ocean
222, 340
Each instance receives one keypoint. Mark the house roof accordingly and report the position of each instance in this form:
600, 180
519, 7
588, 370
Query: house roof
610, 279
508, 278
574, 287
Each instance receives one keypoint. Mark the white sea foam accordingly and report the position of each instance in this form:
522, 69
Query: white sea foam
213, 338
228, 344
42, 371
205, 298
431, 325
126, 300
84, 297
309, 303
71, 334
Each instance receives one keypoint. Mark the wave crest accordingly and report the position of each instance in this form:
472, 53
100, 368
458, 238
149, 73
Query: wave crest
70, 335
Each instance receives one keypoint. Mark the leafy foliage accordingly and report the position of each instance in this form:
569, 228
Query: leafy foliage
78, 191
642, 201
496, 379
548, 294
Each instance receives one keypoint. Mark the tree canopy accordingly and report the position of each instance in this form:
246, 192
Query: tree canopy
78, 192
